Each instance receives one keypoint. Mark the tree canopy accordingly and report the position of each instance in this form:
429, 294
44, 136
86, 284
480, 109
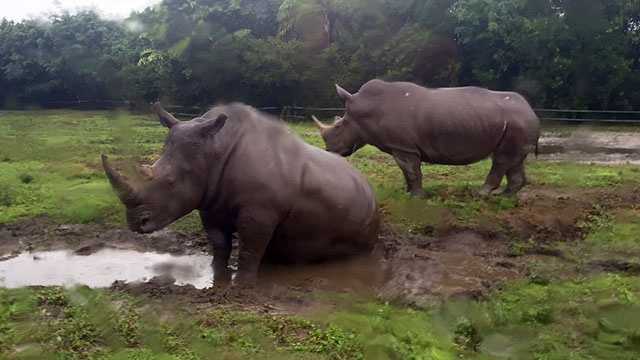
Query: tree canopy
558, 53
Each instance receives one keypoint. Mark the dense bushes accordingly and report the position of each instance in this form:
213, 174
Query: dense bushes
560, 53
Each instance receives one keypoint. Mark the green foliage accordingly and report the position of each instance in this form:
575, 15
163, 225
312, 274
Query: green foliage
70, 57
333, 342
128, 323
594, 317
75, 335
560, 54
285, 52
466, 335
588, 318
617, 233
176, 345
52, 296
26, 178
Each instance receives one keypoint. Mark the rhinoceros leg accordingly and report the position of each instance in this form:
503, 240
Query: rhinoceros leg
516, 179
256, 228
410, 166
221, 242
220, 239
494, 179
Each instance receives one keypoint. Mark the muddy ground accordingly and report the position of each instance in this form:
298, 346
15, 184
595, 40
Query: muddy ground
589, 146
417, 269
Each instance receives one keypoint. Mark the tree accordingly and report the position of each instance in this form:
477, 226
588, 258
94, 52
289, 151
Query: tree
559, 53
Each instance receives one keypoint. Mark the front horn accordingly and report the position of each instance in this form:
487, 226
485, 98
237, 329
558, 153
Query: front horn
125, 192
166, 119
319, 123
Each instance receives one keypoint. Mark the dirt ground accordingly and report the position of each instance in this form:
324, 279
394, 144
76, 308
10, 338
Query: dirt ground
589, 146
416, 270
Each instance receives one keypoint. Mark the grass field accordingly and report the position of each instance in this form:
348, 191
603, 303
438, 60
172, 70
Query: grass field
49, 167
50, 162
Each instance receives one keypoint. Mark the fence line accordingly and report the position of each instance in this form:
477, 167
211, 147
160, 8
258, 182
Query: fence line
590, 111
301, 112
622, 121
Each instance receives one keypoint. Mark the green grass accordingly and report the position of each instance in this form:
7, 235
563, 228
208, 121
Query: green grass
618, 233
582, 319
597, 318
49, 166
58, 153
82, 323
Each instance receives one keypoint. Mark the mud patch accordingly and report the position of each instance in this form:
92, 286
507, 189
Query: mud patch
460, 265
545, 215
616, 266
417, 269
102, 268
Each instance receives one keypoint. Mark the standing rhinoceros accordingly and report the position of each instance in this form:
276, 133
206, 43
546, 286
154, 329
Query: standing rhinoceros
246, 173
452, 126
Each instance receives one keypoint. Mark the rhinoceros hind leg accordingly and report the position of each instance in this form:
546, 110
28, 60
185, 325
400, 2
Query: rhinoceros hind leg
494, 179
516, 179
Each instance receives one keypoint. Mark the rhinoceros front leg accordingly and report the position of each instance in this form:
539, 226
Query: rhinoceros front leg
410, 166
220, 241
255, 227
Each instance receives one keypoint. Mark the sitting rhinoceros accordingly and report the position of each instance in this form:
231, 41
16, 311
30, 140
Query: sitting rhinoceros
452, 126
246, 173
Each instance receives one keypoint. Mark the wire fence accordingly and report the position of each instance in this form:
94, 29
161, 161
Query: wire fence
595, 116
300, 113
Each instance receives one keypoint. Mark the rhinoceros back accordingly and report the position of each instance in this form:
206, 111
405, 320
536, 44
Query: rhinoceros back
444, 126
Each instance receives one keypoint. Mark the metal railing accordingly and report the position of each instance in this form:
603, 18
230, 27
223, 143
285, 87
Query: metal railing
597, 116
293, 113
300, 113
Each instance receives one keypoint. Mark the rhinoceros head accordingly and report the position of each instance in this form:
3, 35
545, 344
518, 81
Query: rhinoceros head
176, 184
343, 136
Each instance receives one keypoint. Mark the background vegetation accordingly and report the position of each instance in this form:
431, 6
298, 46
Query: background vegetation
559, 53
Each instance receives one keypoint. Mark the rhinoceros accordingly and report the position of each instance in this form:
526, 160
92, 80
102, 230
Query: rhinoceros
248, 174
451, 126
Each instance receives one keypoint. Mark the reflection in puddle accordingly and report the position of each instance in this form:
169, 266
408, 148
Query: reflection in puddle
101, 269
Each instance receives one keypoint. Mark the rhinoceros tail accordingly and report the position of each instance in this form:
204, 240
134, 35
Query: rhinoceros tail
537, 143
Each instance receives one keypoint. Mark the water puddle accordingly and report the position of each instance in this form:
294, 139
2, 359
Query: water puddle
101, 269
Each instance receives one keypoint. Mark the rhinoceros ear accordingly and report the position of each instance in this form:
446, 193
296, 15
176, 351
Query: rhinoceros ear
343, 94
212, 127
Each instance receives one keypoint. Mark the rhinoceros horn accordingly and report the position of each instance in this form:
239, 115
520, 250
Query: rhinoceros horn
125, 192
319, 123
343, 94
166, 119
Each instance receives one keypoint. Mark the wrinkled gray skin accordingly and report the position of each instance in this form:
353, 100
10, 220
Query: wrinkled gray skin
246, 173
450, 126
